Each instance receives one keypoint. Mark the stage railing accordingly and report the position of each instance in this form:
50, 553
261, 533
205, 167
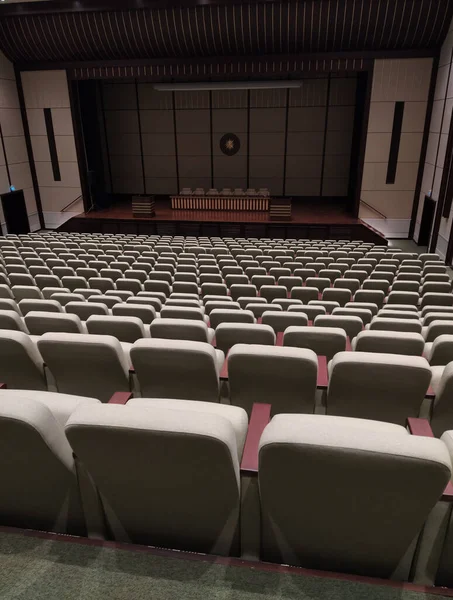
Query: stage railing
239, 203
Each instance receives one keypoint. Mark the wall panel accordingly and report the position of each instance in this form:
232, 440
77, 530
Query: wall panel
395, 80
14, 166
49, 90
290, 140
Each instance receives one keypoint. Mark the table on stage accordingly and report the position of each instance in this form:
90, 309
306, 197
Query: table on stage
245, 203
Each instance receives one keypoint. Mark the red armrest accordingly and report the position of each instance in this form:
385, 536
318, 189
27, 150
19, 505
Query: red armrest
422, 427
323, 374
120, 398
419, 427
224, 369
3, 386
260, 417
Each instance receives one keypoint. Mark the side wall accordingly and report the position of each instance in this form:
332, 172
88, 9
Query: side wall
438, 137
49, 90
14, 165
394, 80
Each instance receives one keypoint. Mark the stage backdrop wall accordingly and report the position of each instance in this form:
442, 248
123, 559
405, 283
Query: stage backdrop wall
295, 142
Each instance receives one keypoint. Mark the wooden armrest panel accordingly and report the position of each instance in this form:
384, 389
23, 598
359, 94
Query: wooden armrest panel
419, 427
120, 398
260, 417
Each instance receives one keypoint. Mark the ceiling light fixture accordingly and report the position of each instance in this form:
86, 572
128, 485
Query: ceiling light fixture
226, 85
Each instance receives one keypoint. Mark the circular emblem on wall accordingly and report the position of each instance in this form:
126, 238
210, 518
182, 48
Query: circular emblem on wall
230, 144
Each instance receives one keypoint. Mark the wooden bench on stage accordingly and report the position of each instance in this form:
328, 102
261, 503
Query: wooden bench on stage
219, 201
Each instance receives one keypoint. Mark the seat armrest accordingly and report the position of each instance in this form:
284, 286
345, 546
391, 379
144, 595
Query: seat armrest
260, 417
3, 386
120, 398
223, 375
419, 427
323, 373
423, 428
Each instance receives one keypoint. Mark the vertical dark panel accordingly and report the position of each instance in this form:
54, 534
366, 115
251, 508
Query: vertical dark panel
363, 99
4, 154
52, 144
286, 142
176, 139
421, 166
211, 140
109, 165
248, 138
446, 188
395, 142
82, 161
31, 160
324, 144
140, 136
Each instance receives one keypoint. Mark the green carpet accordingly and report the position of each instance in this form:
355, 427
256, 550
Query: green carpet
36, 569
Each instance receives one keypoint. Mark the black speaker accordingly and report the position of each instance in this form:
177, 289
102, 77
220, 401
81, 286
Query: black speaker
15, 211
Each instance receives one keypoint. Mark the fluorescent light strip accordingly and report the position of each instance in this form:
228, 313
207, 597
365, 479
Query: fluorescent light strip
224, 85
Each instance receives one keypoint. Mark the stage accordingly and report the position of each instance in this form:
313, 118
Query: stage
310, 220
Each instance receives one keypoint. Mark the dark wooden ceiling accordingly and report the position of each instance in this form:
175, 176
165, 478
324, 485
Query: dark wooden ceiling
219, 29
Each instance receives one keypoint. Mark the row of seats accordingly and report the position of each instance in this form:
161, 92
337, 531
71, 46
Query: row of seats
200, 477
381, 386
399, 332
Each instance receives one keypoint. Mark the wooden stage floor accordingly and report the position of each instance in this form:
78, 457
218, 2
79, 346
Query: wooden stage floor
306, 213
310, 220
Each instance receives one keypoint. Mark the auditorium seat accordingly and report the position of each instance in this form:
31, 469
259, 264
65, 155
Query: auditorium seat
436, 299
86, 365
283, 377
146, 313
388, 324
383, 387
378, 465
222, 302
168, 368
64, 297
11, 320
20, 292
312, 311
305, 293
436, 328
9, 304
440, 351
190, 497
442, 409
38, 323
21, 365
324, 341
391, 342
395, 314
219, 315
229, 334
39, 483
279, 321
340, 295
183, 312
435, 316
351, 324
28, 305
364, 314
124, 328
84, 310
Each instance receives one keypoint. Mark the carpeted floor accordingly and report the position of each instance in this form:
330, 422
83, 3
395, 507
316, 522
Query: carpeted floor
37, 569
